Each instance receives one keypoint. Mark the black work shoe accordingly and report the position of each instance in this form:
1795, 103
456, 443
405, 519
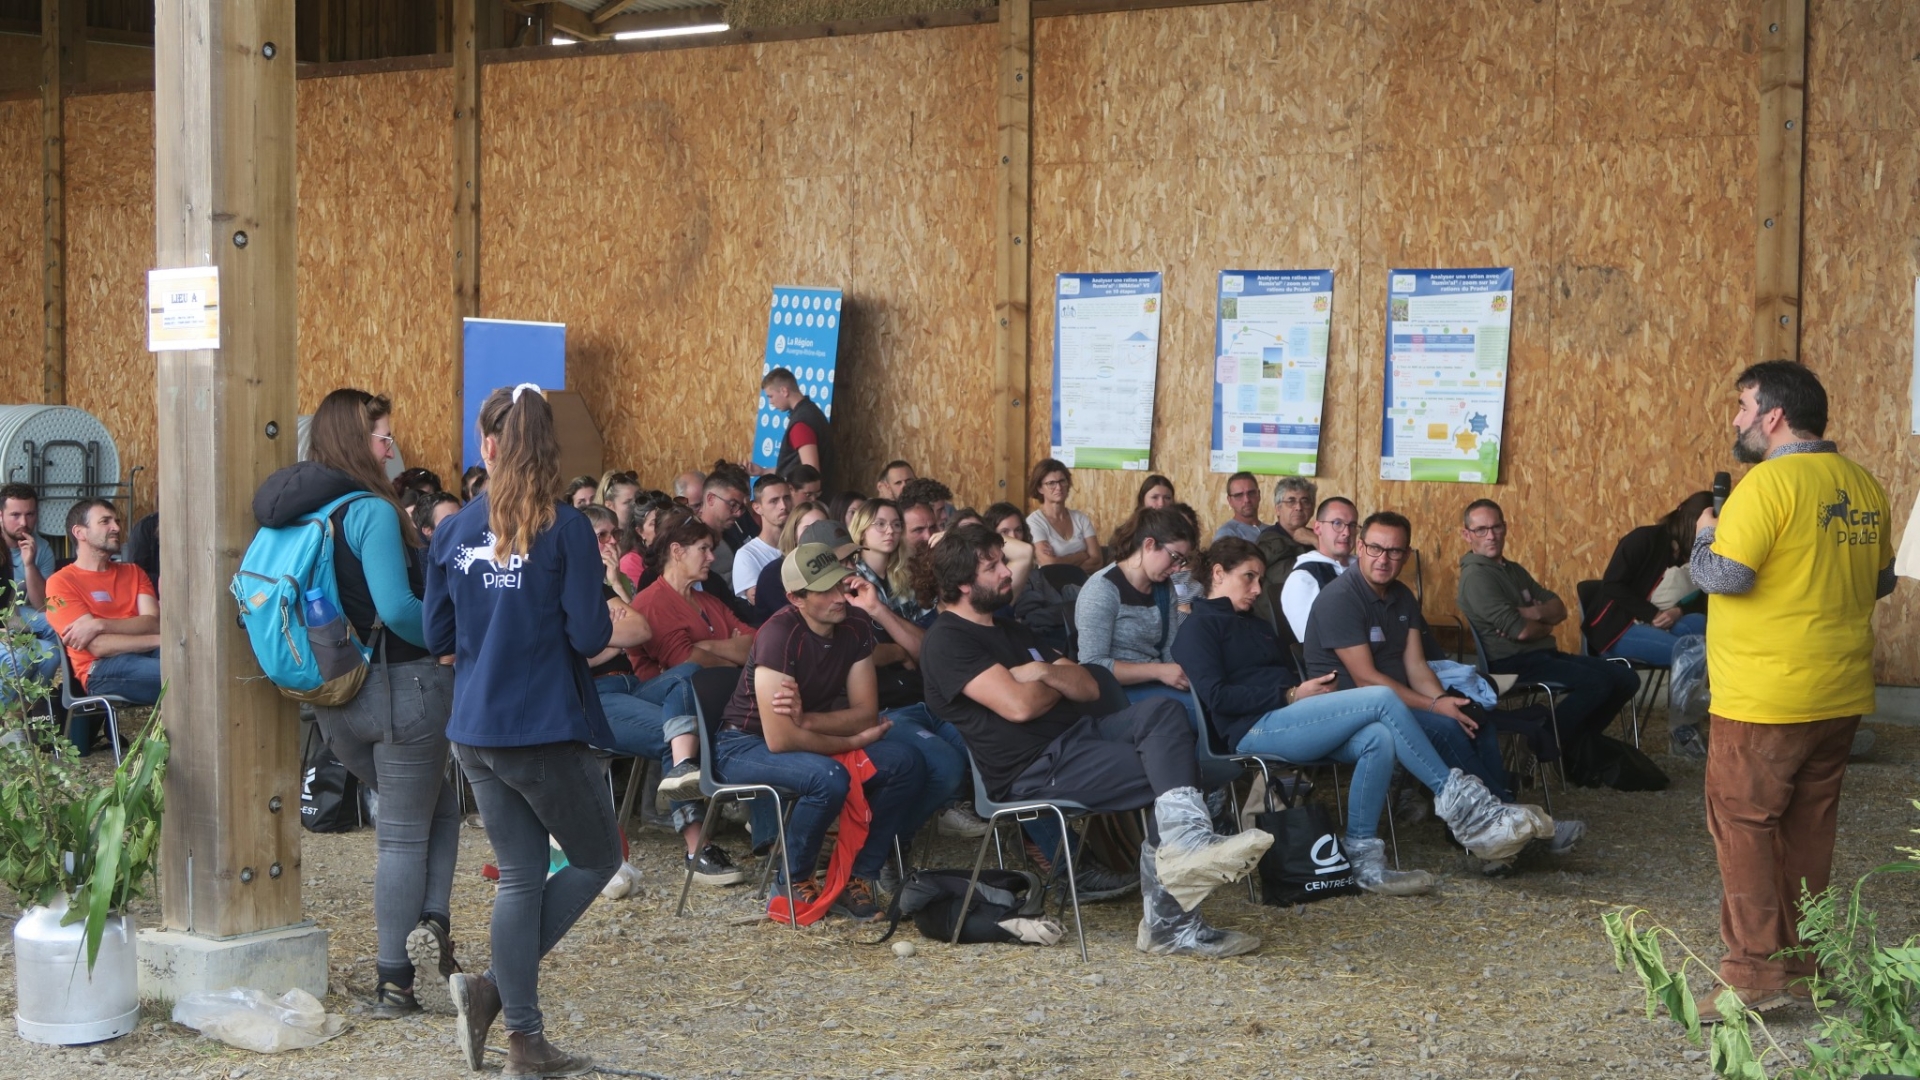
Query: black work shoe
856, 902
431, 951
476, 1004
1093, 881
713, 866
391, 1003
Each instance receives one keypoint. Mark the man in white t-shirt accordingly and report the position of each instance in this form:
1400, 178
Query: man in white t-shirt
773, 501
1333, 533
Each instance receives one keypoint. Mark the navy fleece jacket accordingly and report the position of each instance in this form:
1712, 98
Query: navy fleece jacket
520, 631
1234, 663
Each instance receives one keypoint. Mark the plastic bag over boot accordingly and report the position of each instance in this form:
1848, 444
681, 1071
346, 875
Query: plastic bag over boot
1166, 929
1194, 860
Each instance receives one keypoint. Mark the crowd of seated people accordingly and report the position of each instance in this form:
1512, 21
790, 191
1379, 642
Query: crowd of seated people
893, 642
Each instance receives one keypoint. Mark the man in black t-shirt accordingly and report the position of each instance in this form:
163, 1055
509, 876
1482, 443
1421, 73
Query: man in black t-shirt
807, 694
1023, 711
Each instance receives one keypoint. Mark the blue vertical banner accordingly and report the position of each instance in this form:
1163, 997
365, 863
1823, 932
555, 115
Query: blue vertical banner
1270, 334
803, 336
503, 352
1106, 354
1445, 391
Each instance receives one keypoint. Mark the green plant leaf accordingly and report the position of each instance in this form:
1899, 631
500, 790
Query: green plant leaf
107, 846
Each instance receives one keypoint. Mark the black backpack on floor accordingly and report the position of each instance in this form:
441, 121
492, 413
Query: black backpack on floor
931, 898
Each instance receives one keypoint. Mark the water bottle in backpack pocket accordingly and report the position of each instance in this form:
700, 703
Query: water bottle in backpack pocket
289, 607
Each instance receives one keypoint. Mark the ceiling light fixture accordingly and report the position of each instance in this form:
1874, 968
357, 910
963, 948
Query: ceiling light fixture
673, 31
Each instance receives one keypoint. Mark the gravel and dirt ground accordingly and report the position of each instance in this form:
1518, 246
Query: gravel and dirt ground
1487, 978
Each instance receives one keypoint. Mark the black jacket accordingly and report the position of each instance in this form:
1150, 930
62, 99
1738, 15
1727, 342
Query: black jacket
1236, 667
1619, 598
806, 412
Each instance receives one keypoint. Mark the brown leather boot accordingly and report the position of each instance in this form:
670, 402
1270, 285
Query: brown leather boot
476, 1002
533, 1055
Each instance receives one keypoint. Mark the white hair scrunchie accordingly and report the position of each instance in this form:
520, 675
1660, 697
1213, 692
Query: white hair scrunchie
535, 387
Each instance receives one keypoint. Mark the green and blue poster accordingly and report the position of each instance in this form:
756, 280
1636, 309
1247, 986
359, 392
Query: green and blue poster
1445, 391
1106, 352
1270, 370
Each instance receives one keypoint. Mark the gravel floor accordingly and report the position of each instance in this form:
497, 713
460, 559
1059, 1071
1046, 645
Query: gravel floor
1493, 978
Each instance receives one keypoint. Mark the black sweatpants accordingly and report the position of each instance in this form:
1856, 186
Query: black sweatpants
1118, 762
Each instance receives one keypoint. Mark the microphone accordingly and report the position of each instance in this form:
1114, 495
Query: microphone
1722, 485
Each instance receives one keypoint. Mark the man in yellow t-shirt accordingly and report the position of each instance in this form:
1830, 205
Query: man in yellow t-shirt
1792, 565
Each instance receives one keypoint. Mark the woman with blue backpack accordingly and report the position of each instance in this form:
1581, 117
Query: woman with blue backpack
513, 592
392, 733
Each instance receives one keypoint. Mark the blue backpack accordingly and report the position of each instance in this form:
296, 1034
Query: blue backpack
322, 665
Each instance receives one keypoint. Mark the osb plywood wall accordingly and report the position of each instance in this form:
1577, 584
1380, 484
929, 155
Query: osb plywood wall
1862, 254
20, 284
376, 179
1607, 157
651, 202
109, 250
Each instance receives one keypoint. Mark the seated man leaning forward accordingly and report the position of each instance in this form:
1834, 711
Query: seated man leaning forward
106, 612
1021, 708
807, 694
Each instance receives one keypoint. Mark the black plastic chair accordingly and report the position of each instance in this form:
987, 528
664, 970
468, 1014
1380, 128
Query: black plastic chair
711, 688
1065, 811
1061, 575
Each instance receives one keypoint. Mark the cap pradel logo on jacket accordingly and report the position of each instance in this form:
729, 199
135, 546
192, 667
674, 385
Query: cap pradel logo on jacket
498, 576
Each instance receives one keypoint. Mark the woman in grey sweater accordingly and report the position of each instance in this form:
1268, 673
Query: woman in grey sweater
1126, 615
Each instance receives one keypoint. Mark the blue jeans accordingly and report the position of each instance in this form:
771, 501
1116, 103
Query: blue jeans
1653, 646
819, 786
526, 793
1368, 728
942, 750
1478, 754
393, 736
646, 717
134, 676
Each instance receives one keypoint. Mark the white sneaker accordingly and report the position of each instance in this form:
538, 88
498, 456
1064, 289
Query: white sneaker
960, 820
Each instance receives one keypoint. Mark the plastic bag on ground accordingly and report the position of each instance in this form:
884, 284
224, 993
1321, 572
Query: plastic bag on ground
250, 1020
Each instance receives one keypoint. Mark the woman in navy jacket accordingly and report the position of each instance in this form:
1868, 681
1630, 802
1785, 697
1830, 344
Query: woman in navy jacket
1255, 703
513, 592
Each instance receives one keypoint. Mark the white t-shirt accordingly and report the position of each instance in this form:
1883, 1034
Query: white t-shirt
748, 562
1063, 546
1302, 589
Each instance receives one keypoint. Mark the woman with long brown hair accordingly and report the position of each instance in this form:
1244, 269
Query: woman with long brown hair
392, 735
513, 592
1635, 612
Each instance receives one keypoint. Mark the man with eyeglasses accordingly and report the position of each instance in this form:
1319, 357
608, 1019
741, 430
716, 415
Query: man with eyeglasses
1515, 617
1367, 627
1243, 498
1335, 526
722, 501
1293, 503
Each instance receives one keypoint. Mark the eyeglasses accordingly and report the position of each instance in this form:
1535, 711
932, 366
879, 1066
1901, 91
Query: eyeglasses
603, 534
1057, 482
1336, 524
1179, 557
1488, 530
388, 439
1249, 494
625, 478
734, 505
1296, 502
886, 525
1393, 554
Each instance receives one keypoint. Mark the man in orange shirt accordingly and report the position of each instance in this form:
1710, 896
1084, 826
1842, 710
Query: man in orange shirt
106, 612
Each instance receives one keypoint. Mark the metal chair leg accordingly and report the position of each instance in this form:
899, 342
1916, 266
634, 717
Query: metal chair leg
635, 775
1073, 884
686, 886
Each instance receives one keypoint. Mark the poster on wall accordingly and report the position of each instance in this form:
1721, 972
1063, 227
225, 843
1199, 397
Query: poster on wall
803, 336
1106, 351
1445, 391
505, 352
1913, 388
1270, 331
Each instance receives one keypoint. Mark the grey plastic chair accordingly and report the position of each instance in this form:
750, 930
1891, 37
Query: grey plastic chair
1064, 810
81, 704
711, 686
1546, 688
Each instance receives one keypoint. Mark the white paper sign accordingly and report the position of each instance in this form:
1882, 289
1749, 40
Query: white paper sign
183, 309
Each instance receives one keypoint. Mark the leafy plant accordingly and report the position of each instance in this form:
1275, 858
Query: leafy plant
1865, 992
61, 832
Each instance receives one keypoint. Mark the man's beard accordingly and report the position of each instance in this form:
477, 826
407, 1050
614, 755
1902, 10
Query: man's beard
986, 603
1745, 448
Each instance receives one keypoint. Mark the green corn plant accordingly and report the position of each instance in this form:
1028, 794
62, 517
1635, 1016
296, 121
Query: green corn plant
1864, 992
61, 832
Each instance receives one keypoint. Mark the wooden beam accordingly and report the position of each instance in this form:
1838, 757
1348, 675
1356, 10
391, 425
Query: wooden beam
63, 65
574, 24
1011, 217
466, 179
224, 197
1780, 169
609, 9
670, 19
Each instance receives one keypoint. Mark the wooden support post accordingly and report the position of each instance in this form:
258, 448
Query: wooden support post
224, 197
63, 65
466, 178
1012, 215
1780, 168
